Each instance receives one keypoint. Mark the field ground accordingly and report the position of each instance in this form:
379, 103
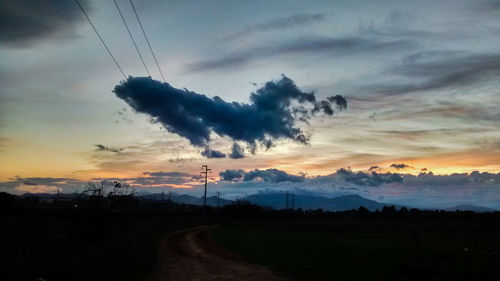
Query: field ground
125, 248
362, 253
83, 248
190, 254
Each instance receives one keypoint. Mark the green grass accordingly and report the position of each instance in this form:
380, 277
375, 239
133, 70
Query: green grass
76, 248
367, 256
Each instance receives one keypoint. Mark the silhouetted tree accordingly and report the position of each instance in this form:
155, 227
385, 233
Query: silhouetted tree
7, 202
242, 209
363, 212
388, 211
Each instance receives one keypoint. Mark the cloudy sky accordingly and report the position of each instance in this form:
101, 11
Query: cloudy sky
420, 79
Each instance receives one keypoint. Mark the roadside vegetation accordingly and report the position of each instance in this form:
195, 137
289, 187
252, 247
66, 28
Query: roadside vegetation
361, 249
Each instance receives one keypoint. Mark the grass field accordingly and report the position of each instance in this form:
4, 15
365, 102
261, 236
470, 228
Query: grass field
82, 248
361, 255
86, 246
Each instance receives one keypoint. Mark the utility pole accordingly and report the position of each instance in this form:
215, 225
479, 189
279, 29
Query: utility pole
218, 199
293, 201
205, 170
286, 200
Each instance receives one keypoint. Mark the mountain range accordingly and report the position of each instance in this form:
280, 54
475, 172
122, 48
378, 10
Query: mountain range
279, 201
306, 202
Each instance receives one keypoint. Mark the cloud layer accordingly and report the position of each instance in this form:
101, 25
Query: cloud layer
211, 153
273, 113
373, 179
101, 147
323, 45
440, 70
269, 175
279, 23
400, 166
237, 151
23, 23
422, 190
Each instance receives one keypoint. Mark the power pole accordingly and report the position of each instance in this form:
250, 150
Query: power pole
286, 200
205, 170
218, 199
293, 201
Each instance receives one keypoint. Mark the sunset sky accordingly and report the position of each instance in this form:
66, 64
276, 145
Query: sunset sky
420, 79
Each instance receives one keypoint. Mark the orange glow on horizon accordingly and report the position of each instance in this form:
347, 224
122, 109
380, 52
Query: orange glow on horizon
464, 162
441, 164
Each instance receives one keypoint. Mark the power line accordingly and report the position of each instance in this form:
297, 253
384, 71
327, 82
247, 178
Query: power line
133, 41
147, 40
131, 37
142, 59
102, 41
172, 146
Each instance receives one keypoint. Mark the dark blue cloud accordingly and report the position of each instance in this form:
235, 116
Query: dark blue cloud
100, 147
272, 175
231, 175
269, 175
210, 153
339, 100
400, 166
273, 112
23, 23
237, 152
158, 179
369, 179
27, 182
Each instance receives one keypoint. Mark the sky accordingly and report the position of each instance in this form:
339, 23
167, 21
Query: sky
247, 81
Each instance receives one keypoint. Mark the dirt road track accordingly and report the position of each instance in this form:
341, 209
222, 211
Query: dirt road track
190, 254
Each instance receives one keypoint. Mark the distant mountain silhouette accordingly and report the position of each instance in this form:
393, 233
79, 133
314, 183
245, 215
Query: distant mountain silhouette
186, 199
305, 202
274, 200
467, 207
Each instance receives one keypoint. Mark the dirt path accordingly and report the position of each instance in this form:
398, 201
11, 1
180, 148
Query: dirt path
190, 254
